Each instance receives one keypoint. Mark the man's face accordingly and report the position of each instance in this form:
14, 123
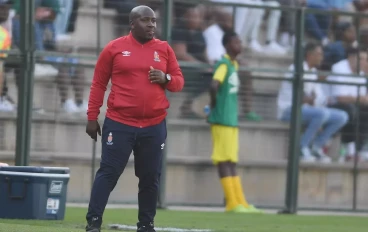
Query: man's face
350, 34
226, 21
235, 45
145, 25
193, 18
316, 56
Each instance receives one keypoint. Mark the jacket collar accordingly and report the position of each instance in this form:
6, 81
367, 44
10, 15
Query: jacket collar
134, 41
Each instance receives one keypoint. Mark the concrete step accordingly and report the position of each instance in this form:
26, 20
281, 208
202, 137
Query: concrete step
193, 180
66, 134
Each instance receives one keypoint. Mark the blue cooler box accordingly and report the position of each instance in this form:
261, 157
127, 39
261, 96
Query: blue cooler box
33, 192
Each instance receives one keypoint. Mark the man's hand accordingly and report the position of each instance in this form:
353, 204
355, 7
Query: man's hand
92, 129
157, 76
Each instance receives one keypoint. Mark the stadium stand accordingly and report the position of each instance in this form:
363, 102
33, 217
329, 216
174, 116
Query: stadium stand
58, 136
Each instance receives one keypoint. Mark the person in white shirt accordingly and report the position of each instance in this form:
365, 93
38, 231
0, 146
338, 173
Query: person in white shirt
345, 97
213, 36
248, 24
320, 122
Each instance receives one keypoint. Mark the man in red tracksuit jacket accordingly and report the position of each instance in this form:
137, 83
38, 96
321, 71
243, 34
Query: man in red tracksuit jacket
140, 68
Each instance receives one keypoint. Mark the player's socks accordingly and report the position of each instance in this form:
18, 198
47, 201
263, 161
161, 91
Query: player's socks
239, 191
230, 196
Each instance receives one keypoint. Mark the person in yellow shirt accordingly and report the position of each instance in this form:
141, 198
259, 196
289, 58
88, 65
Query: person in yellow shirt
223, 118
5, 44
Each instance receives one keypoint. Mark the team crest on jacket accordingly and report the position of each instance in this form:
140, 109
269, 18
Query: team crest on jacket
156, 57
109, 139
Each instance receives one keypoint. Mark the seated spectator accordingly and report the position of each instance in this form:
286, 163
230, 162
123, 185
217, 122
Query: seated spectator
73, 17
189, 45
345, 37
67, 76
46, 12
317, 25
213, 36
71, 76
287, 26
345, 98
350, 6
11, 13
248, 24
62, 19
187, 38
5, 44
320, 122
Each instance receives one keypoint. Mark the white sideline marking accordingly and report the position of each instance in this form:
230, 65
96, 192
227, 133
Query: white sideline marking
167, 229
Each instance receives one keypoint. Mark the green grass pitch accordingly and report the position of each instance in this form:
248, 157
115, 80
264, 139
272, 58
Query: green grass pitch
217, 222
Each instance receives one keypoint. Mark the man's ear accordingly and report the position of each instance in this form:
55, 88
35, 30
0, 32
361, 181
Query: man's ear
131, 23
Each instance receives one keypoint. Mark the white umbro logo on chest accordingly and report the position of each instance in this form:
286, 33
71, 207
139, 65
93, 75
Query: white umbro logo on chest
126, 53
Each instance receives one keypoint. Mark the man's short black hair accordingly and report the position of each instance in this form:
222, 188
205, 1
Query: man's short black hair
341, 28
228, 36
310, 47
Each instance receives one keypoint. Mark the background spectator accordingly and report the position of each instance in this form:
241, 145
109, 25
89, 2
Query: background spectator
5, 44
10, 12
345, 98
317, 25
189, 45
71, 76
351, 6
248, 22
73, 16
345, 36
62, 19
287, 26
213, 36
46, 12
321, 123
187, 37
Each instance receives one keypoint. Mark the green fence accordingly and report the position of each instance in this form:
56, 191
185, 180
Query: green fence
27, 56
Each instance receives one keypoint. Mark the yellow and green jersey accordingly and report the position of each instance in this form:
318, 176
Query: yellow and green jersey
5, 41
226, 109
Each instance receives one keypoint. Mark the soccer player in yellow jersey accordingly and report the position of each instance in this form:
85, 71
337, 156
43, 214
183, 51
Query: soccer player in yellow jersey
223, 118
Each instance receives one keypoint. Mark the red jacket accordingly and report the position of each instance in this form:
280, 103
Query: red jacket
133, 99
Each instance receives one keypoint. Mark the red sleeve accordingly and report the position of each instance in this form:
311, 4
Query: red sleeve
100, 80
177, 80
